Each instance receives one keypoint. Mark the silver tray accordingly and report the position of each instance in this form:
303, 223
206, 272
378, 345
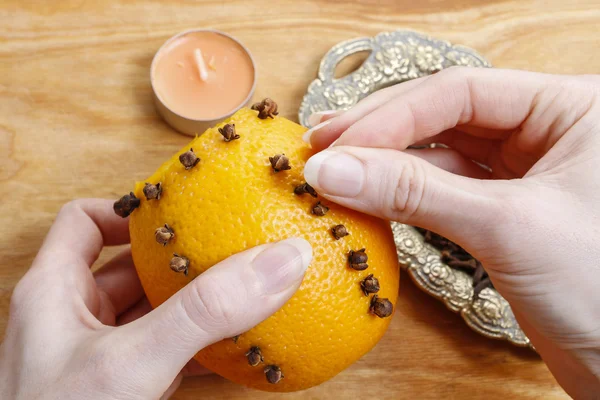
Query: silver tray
397, 57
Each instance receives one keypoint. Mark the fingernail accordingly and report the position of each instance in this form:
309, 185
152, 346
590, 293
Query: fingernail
335, 173
308, 133
315, 118
283, 264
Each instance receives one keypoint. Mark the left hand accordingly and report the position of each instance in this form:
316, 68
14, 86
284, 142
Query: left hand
73, 334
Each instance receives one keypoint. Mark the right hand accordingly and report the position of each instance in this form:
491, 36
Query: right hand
534, 221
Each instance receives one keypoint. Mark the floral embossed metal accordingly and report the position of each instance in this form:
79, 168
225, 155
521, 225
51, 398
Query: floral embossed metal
488, 313
397, 57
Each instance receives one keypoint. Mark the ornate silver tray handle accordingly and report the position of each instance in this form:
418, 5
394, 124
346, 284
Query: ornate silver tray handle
397, 57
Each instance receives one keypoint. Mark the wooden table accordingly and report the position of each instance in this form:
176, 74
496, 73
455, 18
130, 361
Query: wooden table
77, 120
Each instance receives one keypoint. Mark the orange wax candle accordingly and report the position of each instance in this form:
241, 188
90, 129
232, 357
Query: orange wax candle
201, 77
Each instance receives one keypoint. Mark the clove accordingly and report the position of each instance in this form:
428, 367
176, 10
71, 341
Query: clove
266, 109
189, 159
280, 162
152, 192
273, 373
180, 264
381, 307
164, 234
320, 209
125, 205
339, 231
254, 356
228, 132
305, 188
358, 259
369, 285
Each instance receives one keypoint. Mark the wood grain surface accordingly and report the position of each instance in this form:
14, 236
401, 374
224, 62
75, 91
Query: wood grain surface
77, 120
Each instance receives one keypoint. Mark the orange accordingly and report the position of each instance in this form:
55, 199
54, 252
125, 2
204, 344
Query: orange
233, 200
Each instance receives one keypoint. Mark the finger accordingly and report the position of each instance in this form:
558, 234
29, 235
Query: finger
475, 148
486, 151
399, 186
193, 368
81, 229
331, 126
321, 116
60, 274
224, 301
119, 280
140, 309
492, 99
451, 161
101, 307
172, 388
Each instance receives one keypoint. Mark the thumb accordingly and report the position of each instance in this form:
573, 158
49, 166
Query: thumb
398, 186
173, 388
226, 300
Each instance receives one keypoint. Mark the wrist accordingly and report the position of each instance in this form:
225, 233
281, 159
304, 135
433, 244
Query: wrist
576, 370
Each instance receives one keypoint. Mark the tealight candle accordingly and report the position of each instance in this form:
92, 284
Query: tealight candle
200, 77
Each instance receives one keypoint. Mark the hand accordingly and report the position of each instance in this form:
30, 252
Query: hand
533, 221
73, 334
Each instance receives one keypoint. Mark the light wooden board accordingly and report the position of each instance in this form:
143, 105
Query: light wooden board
77, 120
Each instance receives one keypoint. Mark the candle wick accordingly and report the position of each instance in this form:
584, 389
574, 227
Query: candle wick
211, 64
201, 65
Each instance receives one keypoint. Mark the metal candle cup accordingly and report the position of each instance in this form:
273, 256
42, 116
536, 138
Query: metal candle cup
200, 77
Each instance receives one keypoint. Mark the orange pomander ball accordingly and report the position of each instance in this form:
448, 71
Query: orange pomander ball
224, 197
